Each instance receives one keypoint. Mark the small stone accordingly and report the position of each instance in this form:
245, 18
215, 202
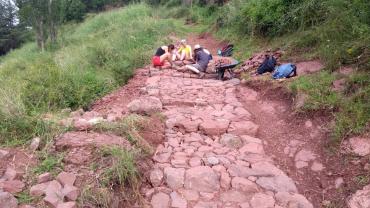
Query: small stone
145, 105
244, 185
261, 200
178, 201
174, 177
305, 155
231, 141
243, 128
156, 177
10, 174
45, 177
212, 161
308, 124
195, 161
35, 143
277, 183
234, 196
367, 166
214, 127
254, 148
160, 200
301, 164
53, 188
189, 195
3, 153
13, 186
338, 182
202, 178
7, 200
66, 178
70, 192
52, 200
39, 189
286, 199
225, 180
361, 199
359, 145
316, 166
67, 205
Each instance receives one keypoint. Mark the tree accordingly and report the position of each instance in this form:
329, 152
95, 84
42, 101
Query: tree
43, 16
12, 34
73, 10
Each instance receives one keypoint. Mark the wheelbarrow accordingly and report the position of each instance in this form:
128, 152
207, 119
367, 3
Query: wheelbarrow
221, 68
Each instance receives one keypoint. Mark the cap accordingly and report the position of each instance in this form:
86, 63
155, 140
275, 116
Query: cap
197, 46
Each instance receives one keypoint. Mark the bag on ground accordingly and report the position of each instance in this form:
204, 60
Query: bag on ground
268, 65
285, 71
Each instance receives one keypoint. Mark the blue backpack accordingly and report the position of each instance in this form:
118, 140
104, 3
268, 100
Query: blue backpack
285, 71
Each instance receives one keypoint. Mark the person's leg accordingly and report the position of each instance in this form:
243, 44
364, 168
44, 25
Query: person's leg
192, 68
183, 55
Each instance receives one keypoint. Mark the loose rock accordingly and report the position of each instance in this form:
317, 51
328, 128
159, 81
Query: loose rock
160, 200
145, 105
156, 177
7, 200
202, 178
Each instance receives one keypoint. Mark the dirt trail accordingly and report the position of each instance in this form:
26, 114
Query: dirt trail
211, 156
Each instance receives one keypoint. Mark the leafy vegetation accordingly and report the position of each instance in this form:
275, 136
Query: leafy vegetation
90, 60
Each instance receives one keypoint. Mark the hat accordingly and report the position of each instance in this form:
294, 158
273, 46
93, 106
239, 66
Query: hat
197, 46
183, 41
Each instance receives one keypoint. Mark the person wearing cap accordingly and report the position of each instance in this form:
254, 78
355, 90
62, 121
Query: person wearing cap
202, 59
184, 52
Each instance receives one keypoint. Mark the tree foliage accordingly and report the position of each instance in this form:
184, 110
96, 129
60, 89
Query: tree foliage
12, 34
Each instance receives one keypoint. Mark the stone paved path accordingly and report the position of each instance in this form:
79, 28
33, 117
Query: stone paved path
211, 157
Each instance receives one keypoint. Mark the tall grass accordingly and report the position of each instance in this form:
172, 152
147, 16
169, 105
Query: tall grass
91, 59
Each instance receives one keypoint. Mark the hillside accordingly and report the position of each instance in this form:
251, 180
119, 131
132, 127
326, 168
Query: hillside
88, 122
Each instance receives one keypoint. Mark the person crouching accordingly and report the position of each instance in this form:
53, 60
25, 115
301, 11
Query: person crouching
202, 59
162, 55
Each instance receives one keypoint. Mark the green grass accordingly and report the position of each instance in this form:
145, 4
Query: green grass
96, 197
318, 88
24, 198
90, 60
122, 171
129, 128
49, 163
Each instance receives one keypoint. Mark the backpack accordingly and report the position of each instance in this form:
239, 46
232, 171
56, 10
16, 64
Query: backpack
226, 51
268, 65
285, 71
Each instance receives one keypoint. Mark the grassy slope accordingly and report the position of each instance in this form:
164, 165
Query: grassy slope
91, 59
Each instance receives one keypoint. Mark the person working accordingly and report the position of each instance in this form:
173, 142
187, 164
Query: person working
162, 54
184, 52
202, 59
